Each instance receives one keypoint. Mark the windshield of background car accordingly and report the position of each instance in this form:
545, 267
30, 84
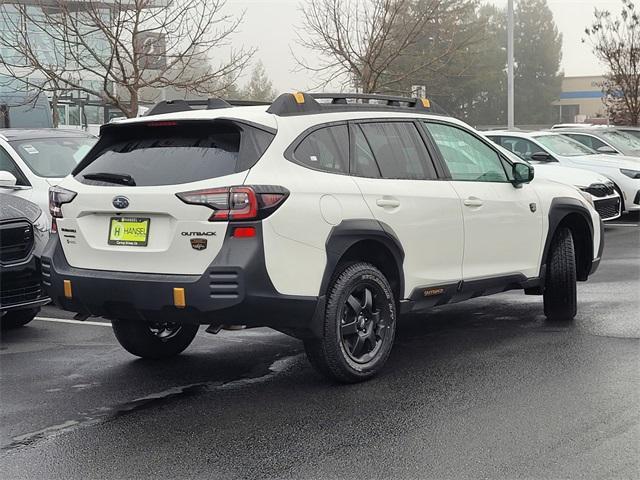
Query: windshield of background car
563, 146
53, 157
622, 140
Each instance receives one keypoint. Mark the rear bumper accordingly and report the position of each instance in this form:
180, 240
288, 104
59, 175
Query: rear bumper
234, 289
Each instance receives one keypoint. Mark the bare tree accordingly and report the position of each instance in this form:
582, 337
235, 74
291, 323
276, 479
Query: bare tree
362, 42
118, 49
616, 42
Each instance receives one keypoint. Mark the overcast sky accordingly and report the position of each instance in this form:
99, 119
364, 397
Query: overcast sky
269, 26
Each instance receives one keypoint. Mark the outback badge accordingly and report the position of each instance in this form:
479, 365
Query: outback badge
198, 243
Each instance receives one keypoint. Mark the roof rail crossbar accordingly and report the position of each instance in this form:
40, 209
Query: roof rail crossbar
389, 100
307, 103
172, 106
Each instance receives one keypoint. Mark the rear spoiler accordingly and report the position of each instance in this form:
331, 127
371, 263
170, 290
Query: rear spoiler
171, 106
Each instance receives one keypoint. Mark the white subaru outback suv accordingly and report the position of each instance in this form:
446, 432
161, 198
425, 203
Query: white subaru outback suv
322, 216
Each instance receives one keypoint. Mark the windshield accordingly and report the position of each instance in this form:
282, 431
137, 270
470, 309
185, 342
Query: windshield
621, 140
563, 146
53, 157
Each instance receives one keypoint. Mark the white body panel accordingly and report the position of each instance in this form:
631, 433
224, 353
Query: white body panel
428, 222
502, 235
84, 230
296, 234
609, 166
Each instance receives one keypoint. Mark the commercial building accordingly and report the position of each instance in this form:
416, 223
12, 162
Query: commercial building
580, 99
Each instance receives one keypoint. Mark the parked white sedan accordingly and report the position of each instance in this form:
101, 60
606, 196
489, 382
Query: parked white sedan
548, 148
31, 161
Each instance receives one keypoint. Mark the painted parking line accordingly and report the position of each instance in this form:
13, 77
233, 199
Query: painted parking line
64, 320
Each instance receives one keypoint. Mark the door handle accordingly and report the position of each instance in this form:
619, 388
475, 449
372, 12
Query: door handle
473, 202
387, 202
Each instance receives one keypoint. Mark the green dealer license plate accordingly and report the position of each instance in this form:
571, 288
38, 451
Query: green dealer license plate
130, 231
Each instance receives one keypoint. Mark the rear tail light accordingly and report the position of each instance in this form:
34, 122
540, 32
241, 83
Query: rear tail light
58, 196
237, 203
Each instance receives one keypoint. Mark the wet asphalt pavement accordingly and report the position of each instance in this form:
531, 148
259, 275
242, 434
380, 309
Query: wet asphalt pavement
484, 389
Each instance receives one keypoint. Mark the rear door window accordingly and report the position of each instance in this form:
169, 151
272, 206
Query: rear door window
399, 150
169, 154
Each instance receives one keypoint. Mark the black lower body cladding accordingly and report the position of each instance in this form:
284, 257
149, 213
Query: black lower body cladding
234, 289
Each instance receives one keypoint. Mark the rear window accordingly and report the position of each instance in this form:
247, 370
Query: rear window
168, 154
53, 157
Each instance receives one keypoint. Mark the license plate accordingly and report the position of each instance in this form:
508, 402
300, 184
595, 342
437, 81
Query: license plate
129, 231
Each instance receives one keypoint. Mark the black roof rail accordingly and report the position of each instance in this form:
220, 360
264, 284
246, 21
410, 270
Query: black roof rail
246, 103
171, 106
306, 103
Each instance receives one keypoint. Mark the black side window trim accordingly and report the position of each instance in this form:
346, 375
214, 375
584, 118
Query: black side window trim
21, 178
503, 159
352, 148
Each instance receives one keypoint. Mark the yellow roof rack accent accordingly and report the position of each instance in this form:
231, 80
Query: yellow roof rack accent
299, 97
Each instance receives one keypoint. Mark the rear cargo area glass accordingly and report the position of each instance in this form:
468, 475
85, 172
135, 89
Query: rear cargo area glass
170, 154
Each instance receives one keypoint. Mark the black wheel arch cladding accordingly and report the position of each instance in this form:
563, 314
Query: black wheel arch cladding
370, 233
569, 212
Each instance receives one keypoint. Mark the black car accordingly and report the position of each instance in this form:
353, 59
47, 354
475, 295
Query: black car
23, 235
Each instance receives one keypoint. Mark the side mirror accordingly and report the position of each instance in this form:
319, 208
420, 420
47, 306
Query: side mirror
606, 149
522, 173
541, 157
7, 179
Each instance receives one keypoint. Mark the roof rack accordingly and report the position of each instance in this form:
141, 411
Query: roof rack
171, 106
307, 103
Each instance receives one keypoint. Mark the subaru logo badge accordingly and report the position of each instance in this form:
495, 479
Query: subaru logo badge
120, 202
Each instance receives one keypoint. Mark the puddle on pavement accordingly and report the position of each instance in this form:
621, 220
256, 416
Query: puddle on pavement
103, 414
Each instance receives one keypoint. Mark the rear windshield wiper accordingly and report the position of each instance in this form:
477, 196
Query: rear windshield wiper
119, 178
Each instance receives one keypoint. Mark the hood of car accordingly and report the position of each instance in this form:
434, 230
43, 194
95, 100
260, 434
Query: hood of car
54, 181
568, 175
12, 207
619, 161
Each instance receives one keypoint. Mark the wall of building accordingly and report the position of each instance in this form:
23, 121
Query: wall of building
581, 98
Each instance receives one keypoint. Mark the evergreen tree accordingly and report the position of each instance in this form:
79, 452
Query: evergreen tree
538, 51
259, 87
473, 84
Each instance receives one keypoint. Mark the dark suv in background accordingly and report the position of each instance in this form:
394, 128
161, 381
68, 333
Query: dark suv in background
23, 235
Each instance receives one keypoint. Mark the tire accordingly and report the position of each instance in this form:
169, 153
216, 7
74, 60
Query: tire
18, 318
359, 328
153, 340
560, 293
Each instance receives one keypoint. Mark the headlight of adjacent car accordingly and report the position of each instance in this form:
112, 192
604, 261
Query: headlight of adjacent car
630, 173
42, 223
588, 197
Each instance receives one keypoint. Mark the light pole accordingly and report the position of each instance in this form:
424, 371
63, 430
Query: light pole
510, 110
